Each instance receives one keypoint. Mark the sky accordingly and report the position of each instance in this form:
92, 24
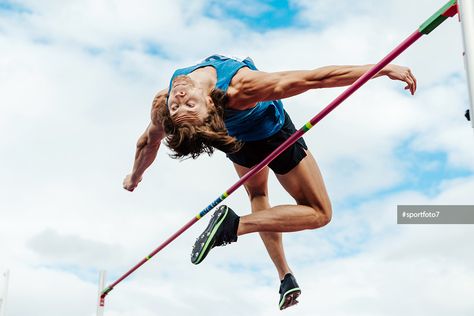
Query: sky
76, 83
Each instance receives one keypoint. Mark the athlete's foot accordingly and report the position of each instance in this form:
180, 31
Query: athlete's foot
289, 292
222, 230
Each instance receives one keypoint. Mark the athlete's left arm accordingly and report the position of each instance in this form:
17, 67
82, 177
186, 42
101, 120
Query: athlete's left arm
250, 86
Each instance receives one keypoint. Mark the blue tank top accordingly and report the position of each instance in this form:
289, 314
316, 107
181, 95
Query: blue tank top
262, 121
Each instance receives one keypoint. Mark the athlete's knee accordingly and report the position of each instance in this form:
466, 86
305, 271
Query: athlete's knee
256, 192
326, 211
258, 199
322, 214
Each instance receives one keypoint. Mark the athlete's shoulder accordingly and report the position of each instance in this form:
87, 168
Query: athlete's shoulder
158, 105
243, 88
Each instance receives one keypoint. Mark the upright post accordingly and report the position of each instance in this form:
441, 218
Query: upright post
466, 9
100, 300
3, 296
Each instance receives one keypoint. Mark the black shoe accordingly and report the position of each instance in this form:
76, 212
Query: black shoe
289, 292
222, 230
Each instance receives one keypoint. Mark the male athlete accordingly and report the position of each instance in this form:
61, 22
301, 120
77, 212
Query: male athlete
228, 104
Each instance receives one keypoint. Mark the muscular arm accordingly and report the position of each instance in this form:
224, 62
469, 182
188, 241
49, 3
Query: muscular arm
251, 86
147, 145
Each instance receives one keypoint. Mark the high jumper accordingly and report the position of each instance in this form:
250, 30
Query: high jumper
228, 104
220, 231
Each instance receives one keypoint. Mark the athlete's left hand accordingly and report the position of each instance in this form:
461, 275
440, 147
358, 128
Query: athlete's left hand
131, 182
404, 74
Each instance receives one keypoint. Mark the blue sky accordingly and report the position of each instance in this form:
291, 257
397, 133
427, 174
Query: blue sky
259, 15
13, 7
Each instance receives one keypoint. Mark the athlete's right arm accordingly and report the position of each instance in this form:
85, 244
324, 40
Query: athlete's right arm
147, 145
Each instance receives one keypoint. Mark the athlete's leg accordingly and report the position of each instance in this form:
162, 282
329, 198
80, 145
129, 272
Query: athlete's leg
305, 184
257, 190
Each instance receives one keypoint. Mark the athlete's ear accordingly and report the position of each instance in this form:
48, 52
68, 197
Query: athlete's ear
210, 102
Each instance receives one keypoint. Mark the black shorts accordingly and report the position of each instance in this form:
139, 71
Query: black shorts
254, 152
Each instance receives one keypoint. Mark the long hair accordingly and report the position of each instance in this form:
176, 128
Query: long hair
190, 140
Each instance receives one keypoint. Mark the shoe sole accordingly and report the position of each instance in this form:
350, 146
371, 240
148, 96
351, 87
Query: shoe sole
289, 298
203, 244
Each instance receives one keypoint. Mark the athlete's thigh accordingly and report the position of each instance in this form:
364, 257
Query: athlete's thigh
256, 185
306, 185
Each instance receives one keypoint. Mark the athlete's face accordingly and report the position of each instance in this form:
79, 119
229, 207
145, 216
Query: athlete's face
187, 102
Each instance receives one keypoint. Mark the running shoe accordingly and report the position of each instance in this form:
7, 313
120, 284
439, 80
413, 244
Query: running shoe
222, 230
289, 292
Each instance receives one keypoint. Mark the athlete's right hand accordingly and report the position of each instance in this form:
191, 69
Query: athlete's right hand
131, 182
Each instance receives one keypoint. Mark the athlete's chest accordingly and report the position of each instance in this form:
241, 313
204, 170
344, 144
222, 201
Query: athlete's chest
206, 75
